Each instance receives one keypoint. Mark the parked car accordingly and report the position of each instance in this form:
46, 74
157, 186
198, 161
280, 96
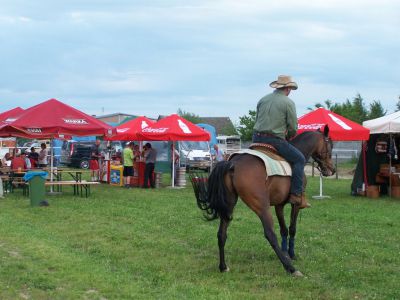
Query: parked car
77, 154
195, 155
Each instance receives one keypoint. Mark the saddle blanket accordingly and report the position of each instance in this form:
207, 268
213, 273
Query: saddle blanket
272, 166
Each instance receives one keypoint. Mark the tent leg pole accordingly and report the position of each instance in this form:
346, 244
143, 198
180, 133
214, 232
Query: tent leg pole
320, 185
173, 164
336, 166
390, 166
51, 164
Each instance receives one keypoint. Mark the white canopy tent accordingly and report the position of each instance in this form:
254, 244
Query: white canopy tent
389, 124
385, 124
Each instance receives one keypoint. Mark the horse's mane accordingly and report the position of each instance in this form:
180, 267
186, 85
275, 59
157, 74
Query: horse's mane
304, 135
305, 141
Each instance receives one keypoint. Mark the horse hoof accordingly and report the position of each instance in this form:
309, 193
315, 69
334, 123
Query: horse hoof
297, 274
225, 270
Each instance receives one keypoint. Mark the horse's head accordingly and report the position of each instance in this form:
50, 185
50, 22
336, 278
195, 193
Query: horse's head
322, 154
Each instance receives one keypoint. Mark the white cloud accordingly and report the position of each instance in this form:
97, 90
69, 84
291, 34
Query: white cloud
4, 19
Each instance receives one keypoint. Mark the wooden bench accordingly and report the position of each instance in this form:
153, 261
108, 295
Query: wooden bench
79, 186
10, 181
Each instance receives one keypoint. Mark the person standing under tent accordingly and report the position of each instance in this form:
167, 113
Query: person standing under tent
42, 159
174, 162
33, 157
27, 160
94, 164
136, 159
150, 155
127, 158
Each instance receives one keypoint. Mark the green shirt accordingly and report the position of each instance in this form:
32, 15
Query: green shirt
276, 114
128, 157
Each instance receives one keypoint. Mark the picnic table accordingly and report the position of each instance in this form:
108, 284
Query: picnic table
81, 187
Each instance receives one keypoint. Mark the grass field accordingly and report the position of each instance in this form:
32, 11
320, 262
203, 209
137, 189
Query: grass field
154, 244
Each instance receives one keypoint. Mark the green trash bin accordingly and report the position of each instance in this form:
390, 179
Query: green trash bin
37, 189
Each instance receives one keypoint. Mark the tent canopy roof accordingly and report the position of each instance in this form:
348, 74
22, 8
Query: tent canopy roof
128, 131
174, 128
340, 128
53, 118
385, 124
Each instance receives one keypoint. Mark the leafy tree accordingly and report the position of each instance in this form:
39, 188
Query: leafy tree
228, 130
191, 117
398, 105
376, 110
246, 126
356, 109
359, 110
328, 105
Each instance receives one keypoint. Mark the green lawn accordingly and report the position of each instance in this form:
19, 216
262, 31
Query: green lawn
154, 244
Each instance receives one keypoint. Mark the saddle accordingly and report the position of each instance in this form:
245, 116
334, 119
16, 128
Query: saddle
267, 149
274, 163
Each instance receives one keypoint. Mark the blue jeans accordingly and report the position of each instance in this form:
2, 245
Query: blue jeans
291, 154
148, 175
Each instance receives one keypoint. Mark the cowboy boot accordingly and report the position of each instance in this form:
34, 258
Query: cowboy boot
304, 203
295, 199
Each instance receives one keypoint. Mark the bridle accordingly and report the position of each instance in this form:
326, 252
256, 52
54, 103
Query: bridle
323, 156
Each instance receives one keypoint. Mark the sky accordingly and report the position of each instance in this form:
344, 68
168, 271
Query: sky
212, 58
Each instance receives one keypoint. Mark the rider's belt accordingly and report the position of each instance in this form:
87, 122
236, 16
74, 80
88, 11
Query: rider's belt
264, 134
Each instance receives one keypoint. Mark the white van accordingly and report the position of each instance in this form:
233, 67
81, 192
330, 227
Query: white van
229, 143
195, 155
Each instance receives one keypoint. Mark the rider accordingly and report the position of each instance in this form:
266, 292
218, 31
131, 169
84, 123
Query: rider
276, 121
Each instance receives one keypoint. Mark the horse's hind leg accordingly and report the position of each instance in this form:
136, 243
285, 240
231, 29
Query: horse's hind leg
222, 236
282, 225
266, 219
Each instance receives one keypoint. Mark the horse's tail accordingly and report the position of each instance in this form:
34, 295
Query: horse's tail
211, 193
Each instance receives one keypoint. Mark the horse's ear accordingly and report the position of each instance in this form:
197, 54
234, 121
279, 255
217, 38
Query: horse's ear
326, 131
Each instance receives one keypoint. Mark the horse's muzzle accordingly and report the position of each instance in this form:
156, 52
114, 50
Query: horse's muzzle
328, 171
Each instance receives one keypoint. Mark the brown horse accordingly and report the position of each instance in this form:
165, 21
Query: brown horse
245, 176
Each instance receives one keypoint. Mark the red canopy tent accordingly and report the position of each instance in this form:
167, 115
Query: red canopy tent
340, 128
129, 131
7, 130
9, 115
52, 119
174, 128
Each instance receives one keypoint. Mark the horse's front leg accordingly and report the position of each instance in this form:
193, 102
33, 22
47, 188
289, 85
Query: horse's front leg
292, 229
282, 225
222, 236
266, 219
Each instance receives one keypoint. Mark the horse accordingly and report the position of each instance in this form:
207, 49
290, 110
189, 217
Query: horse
244, 176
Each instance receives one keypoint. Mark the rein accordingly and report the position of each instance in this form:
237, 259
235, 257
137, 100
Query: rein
320, 157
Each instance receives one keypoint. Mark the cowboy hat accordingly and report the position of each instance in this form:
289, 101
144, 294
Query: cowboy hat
283, 81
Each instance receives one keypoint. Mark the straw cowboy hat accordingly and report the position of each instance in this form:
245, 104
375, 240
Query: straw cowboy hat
283, 81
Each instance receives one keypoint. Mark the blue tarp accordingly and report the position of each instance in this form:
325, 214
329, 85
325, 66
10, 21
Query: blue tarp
212, 131
29, 175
